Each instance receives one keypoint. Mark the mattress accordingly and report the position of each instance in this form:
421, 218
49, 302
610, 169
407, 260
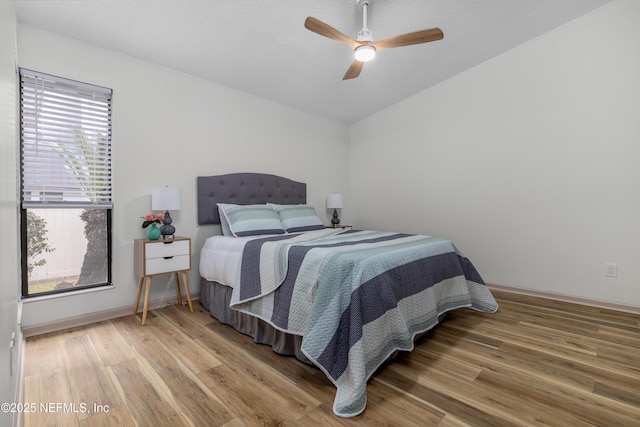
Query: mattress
220, 258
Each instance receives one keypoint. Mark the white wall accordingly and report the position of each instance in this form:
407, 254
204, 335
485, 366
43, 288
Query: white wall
529, 162
168, 128
9, 272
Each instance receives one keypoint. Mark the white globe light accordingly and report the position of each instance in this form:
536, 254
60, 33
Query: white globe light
365, 53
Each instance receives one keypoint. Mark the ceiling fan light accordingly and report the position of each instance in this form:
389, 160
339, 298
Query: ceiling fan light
365, 53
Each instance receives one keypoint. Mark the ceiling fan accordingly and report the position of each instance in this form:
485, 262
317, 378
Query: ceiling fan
364, 47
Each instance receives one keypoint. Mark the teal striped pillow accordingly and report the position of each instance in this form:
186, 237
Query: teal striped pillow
296, 218
251, 220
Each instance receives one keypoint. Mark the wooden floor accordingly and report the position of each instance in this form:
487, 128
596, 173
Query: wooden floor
534, 362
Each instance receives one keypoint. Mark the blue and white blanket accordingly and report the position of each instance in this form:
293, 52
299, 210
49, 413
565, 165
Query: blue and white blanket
355, 297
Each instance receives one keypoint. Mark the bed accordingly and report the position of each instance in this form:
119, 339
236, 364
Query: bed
343, 300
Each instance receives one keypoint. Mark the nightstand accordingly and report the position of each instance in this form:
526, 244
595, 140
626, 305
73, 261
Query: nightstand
345, 227
154, 257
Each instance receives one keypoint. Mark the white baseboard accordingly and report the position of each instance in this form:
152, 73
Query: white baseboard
19, 398
19, 371
567, 298
99, 316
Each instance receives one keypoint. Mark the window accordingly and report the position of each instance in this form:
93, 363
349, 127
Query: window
66, 177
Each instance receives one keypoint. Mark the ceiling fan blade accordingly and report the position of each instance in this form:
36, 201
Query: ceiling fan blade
354, 70
317, 26
408, 39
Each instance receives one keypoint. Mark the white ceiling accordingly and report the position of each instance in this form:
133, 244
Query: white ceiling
262, 47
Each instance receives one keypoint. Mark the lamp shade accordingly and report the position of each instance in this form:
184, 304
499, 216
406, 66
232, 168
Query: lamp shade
166, 199
334, 201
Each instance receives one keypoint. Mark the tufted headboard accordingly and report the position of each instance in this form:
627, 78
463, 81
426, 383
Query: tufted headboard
245, 189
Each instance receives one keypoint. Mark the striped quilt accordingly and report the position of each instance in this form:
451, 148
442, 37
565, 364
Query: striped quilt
355, 297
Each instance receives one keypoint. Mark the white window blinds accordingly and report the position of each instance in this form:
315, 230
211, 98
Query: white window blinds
65, 142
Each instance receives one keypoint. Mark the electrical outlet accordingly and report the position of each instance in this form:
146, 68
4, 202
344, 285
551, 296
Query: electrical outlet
611, 270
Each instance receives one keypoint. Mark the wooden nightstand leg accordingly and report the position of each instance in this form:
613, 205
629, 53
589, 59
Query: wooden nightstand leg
186, 289
146, 300
135, 307
175, 276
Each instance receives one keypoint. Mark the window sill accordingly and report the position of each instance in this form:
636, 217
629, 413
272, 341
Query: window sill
28, 300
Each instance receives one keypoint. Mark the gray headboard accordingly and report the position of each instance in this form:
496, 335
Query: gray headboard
245, 189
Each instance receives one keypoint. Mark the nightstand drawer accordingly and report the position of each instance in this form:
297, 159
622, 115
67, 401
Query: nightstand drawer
162, 249
167, 265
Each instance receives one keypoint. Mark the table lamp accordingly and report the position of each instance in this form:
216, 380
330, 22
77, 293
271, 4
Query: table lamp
166, 199
335, 202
